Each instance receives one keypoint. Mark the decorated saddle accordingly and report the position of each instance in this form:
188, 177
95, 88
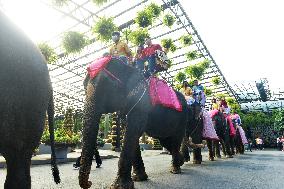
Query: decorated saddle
243, 135
208, 128
97, 65
161, 93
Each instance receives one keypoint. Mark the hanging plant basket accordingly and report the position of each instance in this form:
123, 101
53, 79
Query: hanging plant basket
73, 42
104, 29
169, 20
208, 91
138, 36
100, 2
144, 18
154, 9
180, 77
48, 53
216, 80
192, 55
197, 70
60, 3
169, 45
186, 40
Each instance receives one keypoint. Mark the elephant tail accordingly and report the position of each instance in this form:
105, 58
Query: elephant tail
50, 113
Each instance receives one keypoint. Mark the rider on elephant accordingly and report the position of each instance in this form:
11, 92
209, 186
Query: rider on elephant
198, 93
120, 49
150, 54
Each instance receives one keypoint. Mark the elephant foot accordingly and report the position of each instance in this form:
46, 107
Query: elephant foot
142, 176
218, 156
196, 162
83, 181
186, 159
211, 158
229, 156
122, 184
175, 170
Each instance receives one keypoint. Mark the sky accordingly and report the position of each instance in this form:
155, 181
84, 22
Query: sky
245, 37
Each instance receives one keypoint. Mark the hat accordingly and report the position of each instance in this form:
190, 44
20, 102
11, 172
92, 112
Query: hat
115, 33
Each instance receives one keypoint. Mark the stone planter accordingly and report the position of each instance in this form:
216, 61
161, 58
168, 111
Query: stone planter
61, 152
145, 146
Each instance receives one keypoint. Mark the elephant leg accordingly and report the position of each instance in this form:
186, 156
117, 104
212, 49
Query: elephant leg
90, 132
232, 146
139, 173
210, 150
185, 152
197, 157
134, 129
172, 144
217, 149
224, 148
18, 170
227, 149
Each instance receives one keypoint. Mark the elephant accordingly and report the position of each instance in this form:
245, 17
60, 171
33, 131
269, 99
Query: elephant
194, 130
121, 87
223, 131
26, 96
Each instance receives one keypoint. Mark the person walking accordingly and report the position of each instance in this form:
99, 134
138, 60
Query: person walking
97, 158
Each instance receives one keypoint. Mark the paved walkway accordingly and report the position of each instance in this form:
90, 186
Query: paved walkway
71, 157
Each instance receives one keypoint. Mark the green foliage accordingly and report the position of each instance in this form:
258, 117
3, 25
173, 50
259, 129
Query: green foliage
180, 77
59, 3
73, 42
216, 80
48, 53
192, 55
144, 18
100, 2
169, 20
186, 40
208, 91
60, 137
254, 119
154, 9
138, 36
279, 120
104, 29
169, 44
196, 71
231, 100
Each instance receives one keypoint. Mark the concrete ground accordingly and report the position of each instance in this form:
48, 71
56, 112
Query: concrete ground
257, 169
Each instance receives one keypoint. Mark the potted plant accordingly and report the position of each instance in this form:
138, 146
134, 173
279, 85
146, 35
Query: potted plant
192, 55
186, 40
180, 77
208, 91
144, 18
169, 20
169, 45
138, 36
197, 70
104, 29
48, 53
100, 2
154, 9
216, 80
64, 136
73, 42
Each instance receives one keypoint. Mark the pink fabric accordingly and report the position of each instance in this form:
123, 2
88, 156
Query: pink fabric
97, 65
232, 129
213, 113
235, 116
243, 135
208, 128
148, 51
163, 94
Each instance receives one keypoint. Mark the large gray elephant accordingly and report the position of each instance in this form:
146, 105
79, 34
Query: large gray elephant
26, 95
120, 87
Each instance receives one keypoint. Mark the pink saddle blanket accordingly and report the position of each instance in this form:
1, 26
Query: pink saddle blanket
208, 128
243, 135
97, 65
161, 93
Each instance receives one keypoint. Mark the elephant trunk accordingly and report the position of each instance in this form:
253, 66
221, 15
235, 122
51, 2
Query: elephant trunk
50, 113
190, 144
